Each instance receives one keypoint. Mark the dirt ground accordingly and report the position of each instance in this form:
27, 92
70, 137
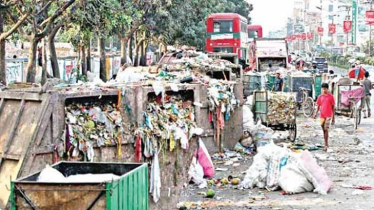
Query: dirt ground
350, 163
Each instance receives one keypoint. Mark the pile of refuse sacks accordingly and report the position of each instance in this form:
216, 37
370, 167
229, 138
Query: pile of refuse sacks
275, 168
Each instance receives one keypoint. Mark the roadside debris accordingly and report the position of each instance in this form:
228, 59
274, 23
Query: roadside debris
275, 167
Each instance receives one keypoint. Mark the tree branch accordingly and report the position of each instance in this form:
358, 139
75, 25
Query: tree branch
15, 26
57, 13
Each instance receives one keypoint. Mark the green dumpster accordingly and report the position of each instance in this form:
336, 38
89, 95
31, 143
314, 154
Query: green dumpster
317, 85
130, 191
251, 82
271, 79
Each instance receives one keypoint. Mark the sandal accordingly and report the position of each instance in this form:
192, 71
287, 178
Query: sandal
325, 148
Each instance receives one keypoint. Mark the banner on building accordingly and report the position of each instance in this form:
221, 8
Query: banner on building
320, 31
347, 26
332, 28
369, 15
309, 35
303, 36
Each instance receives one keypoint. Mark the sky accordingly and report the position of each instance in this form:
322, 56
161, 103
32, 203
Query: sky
271, 14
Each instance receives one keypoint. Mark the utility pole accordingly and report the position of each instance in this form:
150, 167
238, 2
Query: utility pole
371, 8
348, 18
332, 35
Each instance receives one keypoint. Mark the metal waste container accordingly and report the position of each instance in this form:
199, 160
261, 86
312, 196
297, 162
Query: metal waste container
130, 191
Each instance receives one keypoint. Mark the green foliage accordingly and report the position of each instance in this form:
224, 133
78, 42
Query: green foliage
182, 22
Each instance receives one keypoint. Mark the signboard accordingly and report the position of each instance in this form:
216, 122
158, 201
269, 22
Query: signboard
222, 36
354, 21
320, 31
332, 28
347, 26
369, 15
303, 36
309, 35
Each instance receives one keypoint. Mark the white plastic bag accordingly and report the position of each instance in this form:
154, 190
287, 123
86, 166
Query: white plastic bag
155, 186
257, 173
196, 172
292, 180
92, 178
50, 174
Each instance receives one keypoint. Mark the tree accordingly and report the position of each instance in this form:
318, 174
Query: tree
6, 10
365, 47
40, 23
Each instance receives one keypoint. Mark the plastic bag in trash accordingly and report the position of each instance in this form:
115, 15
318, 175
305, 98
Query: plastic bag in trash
257, 173
196, 172
50, 174
314, 173
292, 180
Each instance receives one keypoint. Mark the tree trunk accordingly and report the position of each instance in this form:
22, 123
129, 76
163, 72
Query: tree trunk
2, 52
142, 63
101, 48
31, 65
123, 51
53, 57
44, 67
88, 56
130, 49
83, 59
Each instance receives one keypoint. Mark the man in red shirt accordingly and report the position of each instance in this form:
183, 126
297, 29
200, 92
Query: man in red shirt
326, 103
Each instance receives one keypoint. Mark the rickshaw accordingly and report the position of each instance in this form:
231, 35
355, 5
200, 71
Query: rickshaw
348, 95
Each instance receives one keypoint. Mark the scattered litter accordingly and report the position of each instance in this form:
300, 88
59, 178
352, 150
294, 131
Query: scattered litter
222, 169
357, 192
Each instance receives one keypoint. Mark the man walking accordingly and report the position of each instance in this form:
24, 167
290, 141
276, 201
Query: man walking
278, 83
326, 103
366, 102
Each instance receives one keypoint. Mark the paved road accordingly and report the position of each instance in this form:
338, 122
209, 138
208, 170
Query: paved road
349, 163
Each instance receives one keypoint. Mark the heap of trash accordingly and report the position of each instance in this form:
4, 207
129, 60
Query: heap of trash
275, 168
282, 109
91, 123
199, 62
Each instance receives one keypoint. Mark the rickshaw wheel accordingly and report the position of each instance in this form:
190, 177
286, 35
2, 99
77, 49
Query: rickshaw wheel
292, 132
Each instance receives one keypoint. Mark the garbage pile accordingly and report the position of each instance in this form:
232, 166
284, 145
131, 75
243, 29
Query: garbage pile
169, 122
276, 168
200, 62
91, 123
281, 109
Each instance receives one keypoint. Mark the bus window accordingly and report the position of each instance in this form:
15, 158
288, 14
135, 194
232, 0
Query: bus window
243, 27
252, 34
223, 49
216, 27
223, 26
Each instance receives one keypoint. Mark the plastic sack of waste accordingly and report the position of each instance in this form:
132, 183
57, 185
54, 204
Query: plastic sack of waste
314, 173
292, 180
196, 172
276, 162
92, 178
247, 117
204, 160
257, 173
50, 174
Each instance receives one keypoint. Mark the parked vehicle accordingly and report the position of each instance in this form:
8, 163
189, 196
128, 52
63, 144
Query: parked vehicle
321, 62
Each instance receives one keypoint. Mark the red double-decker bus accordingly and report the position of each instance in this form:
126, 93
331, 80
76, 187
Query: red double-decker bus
254, 31
227, 33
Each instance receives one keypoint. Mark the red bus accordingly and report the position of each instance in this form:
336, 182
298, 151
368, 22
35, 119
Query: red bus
227, 33
254, 31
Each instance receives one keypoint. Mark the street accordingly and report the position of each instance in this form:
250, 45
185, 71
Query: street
348, 163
